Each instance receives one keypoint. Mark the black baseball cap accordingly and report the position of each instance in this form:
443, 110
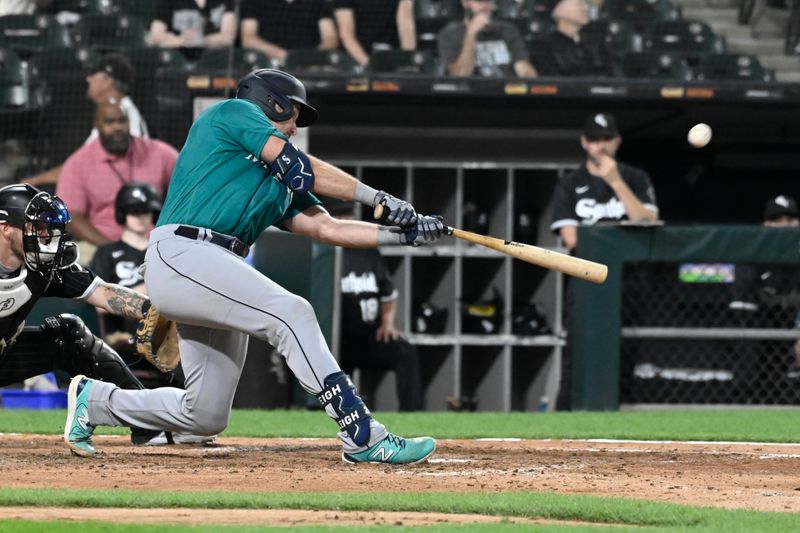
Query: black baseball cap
780, 206
115, 65
600, 126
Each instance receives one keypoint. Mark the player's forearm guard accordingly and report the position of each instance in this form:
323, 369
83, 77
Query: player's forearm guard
293, 168
351, 413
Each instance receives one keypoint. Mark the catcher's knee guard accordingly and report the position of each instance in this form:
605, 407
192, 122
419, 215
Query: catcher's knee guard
351, 414
87, 354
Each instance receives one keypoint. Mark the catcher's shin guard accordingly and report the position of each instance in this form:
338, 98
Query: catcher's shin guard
351, 414
84, 353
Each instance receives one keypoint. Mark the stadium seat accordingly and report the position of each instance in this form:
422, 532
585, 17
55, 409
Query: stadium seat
402, 61
111, 32
105, 7
510, 9
150, 59
689, 38
428, 30
20, 86
640, 13
732, 67
541, 7
33, 33
244, 60
321, 61
618, 35
655, 65
55, 63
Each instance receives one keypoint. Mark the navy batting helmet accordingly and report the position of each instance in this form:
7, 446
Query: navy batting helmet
270, 88
135, 198
43, 218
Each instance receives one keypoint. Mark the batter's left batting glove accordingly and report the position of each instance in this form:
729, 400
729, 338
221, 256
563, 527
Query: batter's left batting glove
396, 212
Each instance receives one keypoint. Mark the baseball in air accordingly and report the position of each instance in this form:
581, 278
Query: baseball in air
699, 135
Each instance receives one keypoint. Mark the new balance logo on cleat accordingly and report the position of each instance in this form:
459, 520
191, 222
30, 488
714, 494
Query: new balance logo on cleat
383, 453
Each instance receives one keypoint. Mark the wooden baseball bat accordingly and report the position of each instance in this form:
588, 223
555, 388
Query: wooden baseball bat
566, 264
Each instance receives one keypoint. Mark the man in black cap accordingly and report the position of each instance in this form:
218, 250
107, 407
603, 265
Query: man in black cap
599, 190
781, 212
602, 188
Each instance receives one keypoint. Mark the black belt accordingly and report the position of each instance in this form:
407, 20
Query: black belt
229, 243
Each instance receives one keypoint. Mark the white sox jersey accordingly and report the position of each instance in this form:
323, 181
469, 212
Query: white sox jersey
20, 291
119, 263
583, 199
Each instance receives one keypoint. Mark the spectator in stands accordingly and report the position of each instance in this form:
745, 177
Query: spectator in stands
601, 189
193, 25
367, 25
264, 26
93, 175
111, 77
369, 338
479, 46
565, 53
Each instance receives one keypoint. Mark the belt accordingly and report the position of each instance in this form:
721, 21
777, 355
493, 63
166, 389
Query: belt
229, 243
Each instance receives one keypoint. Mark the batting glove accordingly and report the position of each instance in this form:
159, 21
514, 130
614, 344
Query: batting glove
426, 231
396, 211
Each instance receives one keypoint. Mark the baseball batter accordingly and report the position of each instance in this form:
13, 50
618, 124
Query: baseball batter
236, 175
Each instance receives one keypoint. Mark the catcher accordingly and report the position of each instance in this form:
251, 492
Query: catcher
38, 259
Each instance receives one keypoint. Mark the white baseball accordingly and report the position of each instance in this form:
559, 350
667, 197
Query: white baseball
699, 135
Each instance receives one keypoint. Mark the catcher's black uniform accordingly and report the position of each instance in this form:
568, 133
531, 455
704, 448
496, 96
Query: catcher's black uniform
583, 199
365, 285
27, 351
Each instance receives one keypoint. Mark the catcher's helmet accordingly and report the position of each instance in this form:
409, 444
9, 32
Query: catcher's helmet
43, 218
134, 198
269, 88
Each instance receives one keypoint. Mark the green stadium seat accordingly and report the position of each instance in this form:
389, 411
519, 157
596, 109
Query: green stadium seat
111, 32
690, 38
243, 60
425, 9
33, 33
322, 61
539, 8
20, 86
54, 63
150, 59
725, 67
428, 29
618, 35
402, 62
510, 9
655, 65
640, 13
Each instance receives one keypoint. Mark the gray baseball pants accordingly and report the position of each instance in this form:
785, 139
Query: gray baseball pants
218, 301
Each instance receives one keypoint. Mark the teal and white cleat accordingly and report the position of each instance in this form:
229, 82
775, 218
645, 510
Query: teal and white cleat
78, 431
394, 450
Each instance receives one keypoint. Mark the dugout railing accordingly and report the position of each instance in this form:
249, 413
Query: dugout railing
659, 332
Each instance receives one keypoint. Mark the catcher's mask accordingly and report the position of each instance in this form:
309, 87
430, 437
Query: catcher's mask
275, 92
44, 240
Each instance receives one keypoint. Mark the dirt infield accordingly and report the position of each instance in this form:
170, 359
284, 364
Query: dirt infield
750, 476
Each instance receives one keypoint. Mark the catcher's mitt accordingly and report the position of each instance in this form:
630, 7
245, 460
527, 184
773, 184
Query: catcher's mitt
157, 339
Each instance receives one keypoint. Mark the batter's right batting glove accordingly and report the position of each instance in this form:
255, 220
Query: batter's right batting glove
426, 231
396, 212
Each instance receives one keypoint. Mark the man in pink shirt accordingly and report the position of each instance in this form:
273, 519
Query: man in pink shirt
92, 176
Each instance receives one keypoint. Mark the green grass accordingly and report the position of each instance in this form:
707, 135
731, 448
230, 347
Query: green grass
591, 509
743, 425
610, 513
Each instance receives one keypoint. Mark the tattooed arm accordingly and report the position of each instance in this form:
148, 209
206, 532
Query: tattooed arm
118, 300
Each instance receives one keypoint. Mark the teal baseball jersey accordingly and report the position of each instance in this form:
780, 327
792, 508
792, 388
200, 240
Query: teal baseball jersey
220, 183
